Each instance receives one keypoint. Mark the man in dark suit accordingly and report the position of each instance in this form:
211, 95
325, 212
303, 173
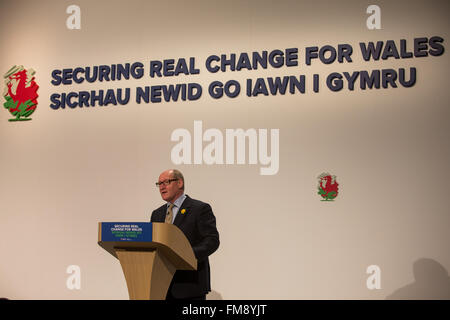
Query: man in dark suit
197, 221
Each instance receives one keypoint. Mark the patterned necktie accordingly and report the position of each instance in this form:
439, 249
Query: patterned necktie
169, 214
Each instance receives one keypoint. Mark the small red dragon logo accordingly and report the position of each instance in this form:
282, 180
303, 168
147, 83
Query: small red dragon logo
328, 187
20, 93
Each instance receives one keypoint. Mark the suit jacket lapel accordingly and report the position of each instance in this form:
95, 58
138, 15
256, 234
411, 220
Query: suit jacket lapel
162, 214
180, 216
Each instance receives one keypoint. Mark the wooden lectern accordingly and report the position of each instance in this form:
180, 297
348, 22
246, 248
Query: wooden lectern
148, 265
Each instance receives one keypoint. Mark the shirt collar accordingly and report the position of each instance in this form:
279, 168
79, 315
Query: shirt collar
178, 202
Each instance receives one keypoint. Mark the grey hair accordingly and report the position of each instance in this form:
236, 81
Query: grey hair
178, 175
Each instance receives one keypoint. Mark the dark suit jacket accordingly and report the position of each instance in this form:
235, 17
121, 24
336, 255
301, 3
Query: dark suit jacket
198, 223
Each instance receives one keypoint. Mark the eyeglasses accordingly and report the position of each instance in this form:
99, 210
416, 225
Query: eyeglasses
165, 182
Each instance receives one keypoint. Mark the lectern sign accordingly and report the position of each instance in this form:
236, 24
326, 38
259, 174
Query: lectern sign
126, 231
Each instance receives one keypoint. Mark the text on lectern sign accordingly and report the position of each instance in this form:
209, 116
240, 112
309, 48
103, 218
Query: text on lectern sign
127, 231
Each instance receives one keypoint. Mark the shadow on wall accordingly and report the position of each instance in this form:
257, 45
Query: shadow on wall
431, 282
214, 295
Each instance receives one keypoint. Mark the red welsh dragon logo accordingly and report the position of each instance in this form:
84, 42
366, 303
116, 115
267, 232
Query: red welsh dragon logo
20, 93
328, 187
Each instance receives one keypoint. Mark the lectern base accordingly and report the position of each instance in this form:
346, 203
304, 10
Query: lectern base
148, 273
